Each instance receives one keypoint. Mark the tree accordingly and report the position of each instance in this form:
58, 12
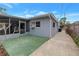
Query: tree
62, 22
68, 23
2, 10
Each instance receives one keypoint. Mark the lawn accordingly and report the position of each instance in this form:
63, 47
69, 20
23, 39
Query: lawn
23, 46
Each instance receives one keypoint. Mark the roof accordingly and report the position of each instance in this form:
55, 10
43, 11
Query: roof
9, 16
31, 18
44, 16
53, 16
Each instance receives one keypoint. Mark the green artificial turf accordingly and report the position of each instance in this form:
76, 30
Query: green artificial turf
24, 45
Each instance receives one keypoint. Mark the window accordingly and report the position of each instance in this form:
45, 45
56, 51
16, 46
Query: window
53, 24
38, 24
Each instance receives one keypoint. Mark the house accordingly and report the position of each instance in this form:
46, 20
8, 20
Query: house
43, 25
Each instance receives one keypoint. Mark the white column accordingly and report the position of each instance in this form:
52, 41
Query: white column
5, 28
25, 26
9, 25
19, 26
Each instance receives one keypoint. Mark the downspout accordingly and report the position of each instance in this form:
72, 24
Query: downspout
50, 26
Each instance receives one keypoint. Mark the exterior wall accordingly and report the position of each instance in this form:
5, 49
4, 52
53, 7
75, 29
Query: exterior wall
46, 28
43, 30
9, 36
54, 30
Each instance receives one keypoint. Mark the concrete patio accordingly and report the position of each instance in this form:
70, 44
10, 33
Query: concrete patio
60, 45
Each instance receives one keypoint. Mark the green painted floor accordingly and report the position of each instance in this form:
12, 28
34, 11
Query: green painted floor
24, 45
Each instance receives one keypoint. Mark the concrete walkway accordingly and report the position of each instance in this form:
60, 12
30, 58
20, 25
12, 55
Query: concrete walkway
60, 45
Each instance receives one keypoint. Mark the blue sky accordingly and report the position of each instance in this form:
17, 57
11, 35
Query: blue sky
32, 9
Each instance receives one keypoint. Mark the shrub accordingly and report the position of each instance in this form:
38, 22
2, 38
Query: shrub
73, 35
76, 39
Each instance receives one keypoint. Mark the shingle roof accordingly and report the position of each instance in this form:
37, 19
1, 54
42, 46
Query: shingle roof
9, 16
44, 15
35, 17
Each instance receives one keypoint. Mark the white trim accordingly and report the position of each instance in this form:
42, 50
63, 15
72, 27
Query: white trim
20, 25
9, 25
5, 29
22, 21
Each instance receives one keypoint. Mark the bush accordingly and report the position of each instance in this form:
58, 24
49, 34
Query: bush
73, 35
76, 39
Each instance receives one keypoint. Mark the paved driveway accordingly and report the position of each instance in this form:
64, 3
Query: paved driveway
60, 45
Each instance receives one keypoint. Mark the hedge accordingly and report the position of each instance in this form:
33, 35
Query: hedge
73, 35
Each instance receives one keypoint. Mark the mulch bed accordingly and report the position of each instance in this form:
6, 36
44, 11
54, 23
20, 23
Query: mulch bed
3, 51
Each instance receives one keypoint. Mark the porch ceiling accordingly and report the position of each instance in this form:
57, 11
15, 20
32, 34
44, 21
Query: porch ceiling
3, 17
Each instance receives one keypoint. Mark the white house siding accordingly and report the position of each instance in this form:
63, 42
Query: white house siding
54, 30
43, 30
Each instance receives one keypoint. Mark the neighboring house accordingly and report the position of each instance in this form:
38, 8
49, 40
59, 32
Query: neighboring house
43, 25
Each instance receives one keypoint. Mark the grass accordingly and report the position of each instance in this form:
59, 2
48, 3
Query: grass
23, 45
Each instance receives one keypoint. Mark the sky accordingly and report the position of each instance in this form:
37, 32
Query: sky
70, 10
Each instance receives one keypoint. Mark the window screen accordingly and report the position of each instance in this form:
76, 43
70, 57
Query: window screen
38, 24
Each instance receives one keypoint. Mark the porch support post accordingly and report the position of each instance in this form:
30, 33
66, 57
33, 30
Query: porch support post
25, 26
5, 28
9, 25
19, 26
